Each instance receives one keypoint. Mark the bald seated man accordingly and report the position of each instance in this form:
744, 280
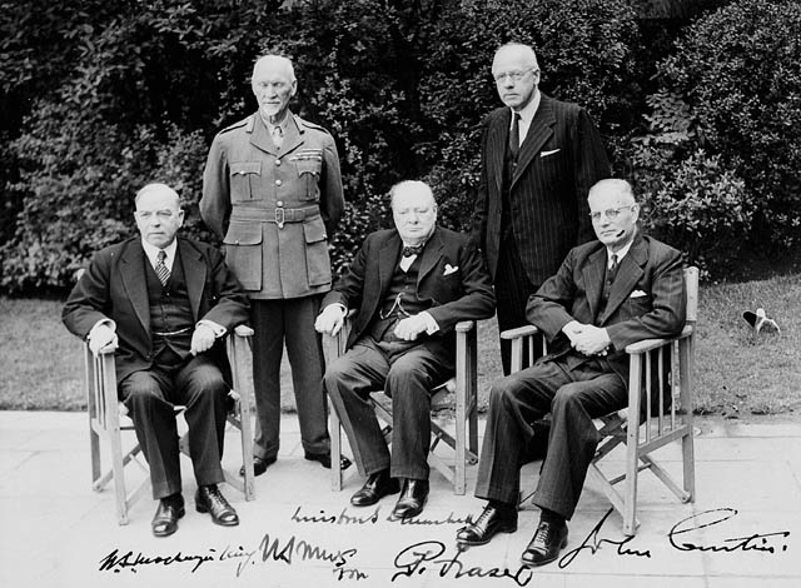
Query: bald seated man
410, 285
621, 288
165, 304
272, 191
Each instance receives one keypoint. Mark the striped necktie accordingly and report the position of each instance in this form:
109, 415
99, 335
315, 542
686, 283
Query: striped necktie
161, 268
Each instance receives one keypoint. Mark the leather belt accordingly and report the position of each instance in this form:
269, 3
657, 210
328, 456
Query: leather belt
279, 215
173, 333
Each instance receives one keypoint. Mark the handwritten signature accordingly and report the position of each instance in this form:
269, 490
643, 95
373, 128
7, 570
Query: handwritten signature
593, 543
116, 562
765, 542
409, 561
344, 517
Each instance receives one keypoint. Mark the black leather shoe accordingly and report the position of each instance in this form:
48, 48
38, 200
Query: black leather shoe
414, 494
549, 539
259, 465
375, 488
490, 522
325, 460
165, 521
209, 499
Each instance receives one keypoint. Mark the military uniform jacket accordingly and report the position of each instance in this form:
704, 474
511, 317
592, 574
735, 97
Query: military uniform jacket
275, 208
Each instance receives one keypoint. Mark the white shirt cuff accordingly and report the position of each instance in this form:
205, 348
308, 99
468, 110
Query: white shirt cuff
218, 330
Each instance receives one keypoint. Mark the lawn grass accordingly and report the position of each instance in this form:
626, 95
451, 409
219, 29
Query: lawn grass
737, 374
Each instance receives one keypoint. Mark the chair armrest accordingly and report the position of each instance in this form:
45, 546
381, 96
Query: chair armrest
650, 344
465, 326
524, 331
243, 331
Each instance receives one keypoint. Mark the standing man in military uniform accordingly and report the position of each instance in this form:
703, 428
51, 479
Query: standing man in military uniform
272, 190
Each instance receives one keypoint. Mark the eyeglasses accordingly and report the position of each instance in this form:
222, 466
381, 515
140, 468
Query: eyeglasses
610, 213
515, 76
165, 214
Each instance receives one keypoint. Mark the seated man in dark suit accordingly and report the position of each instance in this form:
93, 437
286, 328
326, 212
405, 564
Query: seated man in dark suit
411, 285
607, 294
166, 303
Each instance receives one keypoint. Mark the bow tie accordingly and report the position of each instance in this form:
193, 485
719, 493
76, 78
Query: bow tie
409, 250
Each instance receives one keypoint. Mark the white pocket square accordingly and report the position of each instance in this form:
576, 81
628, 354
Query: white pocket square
450, 269
638, 294
547, 153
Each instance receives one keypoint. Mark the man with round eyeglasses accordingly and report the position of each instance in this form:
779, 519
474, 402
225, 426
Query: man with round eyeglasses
622, 288
539, 158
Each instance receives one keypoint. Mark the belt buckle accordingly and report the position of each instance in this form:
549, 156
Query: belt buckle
280, 217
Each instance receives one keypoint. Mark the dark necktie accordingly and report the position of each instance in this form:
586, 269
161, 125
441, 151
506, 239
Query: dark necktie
161, 268
514, 136
612, 271
409, 250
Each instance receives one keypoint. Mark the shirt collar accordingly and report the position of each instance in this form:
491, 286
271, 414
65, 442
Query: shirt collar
620, 254
529, 110
283, 124
152, 253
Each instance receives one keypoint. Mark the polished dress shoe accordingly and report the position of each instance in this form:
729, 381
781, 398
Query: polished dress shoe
259, 465
325, 460
375, 488
549, 539
414, 494
209, 499
493, 519
165, 521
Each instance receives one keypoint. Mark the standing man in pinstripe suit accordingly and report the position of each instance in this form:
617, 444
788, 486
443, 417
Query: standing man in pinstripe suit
539, 158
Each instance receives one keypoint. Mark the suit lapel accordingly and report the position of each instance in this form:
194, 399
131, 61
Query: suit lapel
387, 258
628, 274
538, 133
430, 256
134, 281
593, 275
293, 137
194, 274
260, 136
496, 142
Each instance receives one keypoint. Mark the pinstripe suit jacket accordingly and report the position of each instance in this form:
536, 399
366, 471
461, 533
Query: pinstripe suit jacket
647, 299
560, 159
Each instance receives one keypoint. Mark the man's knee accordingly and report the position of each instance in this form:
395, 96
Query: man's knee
336, 373
505, 393
141, 389
567, 397
206, 381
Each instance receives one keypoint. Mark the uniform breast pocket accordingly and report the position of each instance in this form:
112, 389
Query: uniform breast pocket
245, 177
309, 164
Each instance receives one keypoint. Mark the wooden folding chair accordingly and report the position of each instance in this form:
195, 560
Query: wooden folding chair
665, 368
458, 394
108, 419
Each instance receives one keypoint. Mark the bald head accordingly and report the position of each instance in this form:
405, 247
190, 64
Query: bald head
161, 191
519, 52
274, 63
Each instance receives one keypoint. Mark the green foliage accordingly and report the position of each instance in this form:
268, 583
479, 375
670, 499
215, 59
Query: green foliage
739, 71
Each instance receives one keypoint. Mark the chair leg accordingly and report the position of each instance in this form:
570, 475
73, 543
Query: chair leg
687, 441
335, 431
632, 447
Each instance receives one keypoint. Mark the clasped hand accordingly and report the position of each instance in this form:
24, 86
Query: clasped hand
587, 339
410, 328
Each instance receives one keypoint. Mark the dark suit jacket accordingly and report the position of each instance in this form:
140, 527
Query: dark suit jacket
651, 270
453, 276
115, 287
560, 159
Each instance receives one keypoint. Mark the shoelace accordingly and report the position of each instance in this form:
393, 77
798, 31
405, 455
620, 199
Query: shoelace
543, 536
